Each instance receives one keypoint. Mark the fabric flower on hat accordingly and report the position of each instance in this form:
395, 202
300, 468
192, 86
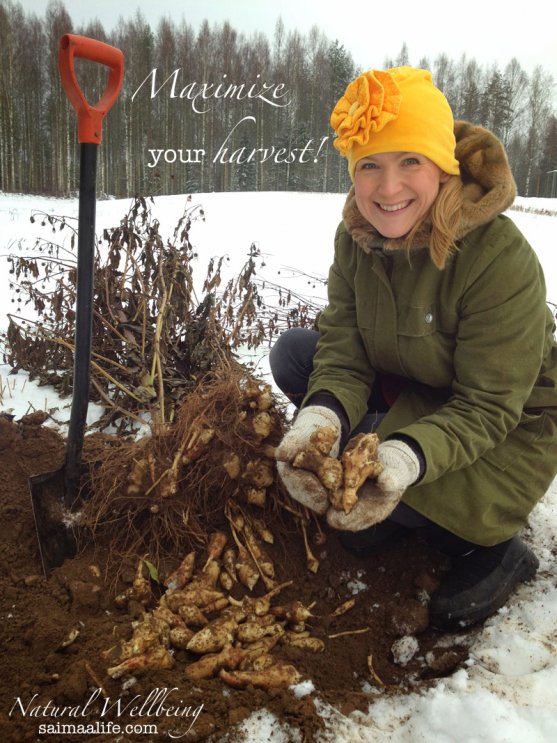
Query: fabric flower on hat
369, 102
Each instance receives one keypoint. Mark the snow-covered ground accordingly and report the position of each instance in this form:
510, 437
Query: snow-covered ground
506, 694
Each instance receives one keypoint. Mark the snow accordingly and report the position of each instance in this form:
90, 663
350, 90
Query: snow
506, 694
264, 726
404, 649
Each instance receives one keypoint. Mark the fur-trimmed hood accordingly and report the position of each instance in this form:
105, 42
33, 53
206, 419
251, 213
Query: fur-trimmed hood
488, 190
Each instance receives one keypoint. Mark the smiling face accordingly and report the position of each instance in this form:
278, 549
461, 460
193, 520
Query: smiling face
395, 190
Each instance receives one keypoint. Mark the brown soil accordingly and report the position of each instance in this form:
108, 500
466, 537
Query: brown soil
40, 674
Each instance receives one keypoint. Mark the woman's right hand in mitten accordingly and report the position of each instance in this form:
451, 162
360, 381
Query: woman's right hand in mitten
304, 486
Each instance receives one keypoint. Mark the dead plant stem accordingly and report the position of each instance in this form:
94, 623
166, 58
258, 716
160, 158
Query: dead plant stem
111, 404
100, 370
108, 302
111, 327
143, 304
349, 632
156, 367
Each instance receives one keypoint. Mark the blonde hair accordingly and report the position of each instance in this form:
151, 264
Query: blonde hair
444, 218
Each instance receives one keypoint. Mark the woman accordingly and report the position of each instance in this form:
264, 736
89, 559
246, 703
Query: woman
436, 335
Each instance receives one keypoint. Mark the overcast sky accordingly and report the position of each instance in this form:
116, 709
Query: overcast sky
491, 31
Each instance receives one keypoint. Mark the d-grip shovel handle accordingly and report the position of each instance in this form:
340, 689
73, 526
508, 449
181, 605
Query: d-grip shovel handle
89, 117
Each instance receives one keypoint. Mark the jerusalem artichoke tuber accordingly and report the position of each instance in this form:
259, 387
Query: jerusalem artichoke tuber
342, 478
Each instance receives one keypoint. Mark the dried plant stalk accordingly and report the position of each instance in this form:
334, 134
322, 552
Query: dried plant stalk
152, 336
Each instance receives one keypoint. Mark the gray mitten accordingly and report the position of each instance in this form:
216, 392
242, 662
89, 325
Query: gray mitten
303, 486
306, 423
372, 507
401, 466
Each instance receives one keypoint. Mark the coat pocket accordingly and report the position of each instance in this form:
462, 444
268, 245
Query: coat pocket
417, 320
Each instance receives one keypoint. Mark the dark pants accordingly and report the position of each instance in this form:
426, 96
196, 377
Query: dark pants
291, 362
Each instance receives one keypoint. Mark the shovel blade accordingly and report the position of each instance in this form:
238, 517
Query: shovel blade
55, 534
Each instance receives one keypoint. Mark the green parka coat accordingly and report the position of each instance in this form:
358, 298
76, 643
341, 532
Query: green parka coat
473, 342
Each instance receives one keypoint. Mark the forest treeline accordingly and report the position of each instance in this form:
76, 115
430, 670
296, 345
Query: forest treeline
211, 109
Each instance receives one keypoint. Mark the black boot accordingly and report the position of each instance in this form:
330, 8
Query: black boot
480, 583
370, 541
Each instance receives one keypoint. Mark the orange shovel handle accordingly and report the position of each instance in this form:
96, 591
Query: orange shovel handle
89, 118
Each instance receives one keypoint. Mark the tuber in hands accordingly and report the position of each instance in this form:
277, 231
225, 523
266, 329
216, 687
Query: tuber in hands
341, 478
302, 485
400, 468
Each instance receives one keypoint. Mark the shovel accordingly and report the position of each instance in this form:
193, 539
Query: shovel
54, 494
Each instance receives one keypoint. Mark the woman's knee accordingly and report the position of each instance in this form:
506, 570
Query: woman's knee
291, 358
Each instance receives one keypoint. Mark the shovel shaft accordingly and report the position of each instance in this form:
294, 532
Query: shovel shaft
54, 494
83, 318
90, 120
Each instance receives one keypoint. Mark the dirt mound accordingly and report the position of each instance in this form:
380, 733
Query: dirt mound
55, 632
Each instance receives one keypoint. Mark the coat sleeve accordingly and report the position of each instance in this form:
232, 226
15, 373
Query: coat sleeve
497, 359
341, 366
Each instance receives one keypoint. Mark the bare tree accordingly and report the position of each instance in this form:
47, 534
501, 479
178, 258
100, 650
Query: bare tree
537, 116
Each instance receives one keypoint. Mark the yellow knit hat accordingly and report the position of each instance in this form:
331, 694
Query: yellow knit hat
396, 110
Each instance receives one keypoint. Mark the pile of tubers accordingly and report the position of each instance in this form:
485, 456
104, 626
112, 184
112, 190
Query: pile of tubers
225, 636
341, 478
